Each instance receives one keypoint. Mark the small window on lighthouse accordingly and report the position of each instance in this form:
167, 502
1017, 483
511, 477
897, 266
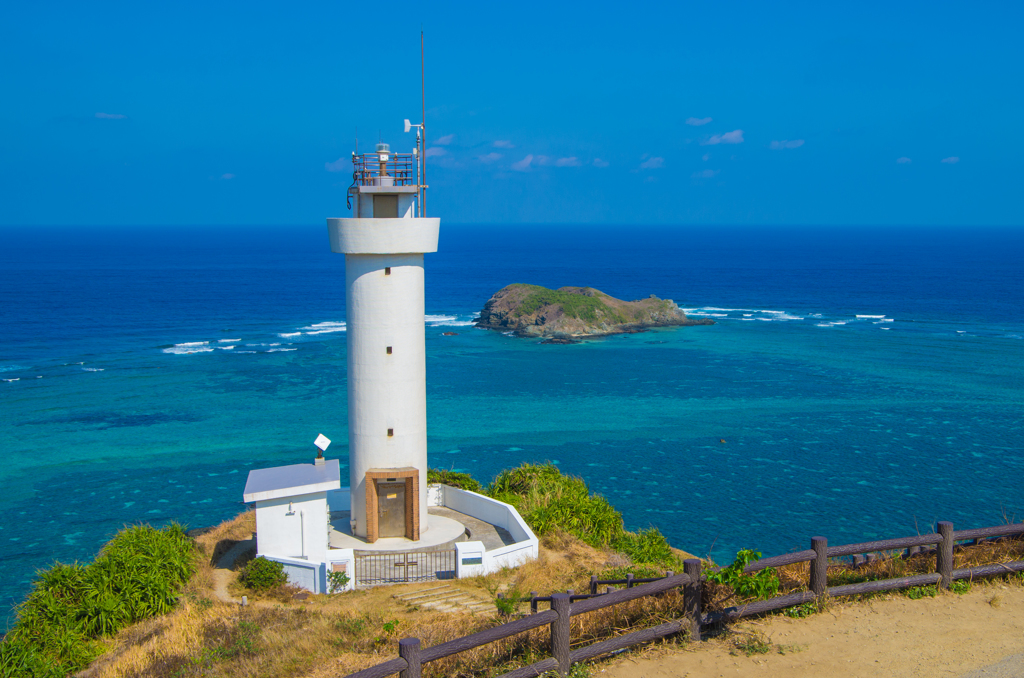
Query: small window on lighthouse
389, 350
391, 432
387, 270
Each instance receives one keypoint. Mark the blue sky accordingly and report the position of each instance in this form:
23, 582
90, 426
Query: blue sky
613, 113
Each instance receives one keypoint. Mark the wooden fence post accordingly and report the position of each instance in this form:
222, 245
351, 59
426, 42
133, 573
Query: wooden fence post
409, 650
533, 602
593, 584
819, 566
692, 596
629, 581
944, 554
560, 631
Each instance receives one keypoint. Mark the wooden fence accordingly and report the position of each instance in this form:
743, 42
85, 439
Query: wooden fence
564, 606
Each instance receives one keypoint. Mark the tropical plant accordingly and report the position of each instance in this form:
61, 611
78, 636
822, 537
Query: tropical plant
337, 581
138, 574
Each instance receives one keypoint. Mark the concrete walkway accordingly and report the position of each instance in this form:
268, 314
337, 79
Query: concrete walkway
492, 536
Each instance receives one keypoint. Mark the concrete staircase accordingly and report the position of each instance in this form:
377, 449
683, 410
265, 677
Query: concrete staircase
447, 598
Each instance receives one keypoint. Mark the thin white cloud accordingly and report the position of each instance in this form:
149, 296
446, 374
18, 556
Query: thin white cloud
653, 163
489, 158
435, 151
523, 165
600, 163
227, 176
786, 143
111, 116
952, 160
504, 143
697, 122
339, 165
903, 161
568, 162
445, 140
733, 137
705, 174
706, 157
650, 180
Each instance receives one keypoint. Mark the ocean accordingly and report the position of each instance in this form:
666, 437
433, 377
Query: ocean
859, 382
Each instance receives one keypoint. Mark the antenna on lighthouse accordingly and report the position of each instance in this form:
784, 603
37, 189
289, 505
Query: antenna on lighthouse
423, 130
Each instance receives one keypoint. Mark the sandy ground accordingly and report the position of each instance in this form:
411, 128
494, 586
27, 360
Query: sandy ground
977, 635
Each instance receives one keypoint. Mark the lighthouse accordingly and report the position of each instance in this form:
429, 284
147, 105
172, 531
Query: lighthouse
384, 242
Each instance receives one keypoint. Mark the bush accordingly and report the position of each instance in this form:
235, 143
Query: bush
550, 501
463, 481
646, 546
261, 574
762, 584
138, 574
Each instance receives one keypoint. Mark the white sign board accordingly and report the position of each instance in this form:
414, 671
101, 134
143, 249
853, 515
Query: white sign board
322, 442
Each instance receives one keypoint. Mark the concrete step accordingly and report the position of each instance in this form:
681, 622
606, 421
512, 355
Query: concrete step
447, 598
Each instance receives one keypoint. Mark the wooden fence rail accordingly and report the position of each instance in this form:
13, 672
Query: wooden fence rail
564, 606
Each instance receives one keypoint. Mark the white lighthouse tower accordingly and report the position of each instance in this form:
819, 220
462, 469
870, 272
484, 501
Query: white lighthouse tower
384, 243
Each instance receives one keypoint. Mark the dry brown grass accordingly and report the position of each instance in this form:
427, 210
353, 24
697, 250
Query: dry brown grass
277, 636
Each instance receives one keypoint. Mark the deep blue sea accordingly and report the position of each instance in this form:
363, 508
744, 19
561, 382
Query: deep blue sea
860, 383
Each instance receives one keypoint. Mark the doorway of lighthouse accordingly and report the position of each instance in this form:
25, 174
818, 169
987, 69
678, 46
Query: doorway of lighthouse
391, 509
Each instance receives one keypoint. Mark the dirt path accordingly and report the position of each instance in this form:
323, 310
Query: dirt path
222, 573
976, 635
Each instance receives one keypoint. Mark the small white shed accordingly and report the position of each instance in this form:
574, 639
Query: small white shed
293, 521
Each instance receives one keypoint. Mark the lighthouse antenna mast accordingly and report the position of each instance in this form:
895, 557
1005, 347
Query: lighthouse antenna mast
423, 131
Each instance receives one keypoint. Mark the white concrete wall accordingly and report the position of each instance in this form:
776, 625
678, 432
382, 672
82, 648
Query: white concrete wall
469, 559
304, 574
385, 391
339, 500
303, 531
489, 510
526, 548
383, 236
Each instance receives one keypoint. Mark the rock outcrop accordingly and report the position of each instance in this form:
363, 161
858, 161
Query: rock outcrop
571, 313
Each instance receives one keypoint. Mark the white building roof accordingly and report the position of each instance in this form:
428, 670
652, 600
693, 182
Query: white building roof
290, 481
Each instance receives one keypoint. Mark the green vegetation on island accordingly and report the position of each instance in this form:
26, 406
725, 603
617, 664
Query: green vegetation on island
568, 313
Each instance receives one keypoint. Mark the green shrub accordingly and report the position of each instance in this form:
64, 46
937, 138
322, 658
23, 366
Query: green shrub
762, 584
549, 501
261, 574
463, 481
646, 546
138, 574
337, 581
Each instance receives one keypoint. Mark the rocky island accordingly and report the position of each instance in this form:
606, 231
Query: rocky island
568, 314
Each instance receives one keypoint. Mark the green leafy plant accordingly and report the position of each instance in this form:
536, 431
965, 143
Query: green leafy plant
337, 581
801, 611
960, 586
762, 584
918, 592
260, 574
752, 643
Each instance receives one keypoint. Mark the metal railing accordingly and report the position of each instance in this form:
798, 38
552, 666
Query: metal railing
401, 568
399, 169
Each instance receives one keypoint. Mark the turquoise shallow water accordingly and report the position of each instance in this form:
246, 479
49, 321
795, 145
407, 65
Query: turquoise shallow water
114, 410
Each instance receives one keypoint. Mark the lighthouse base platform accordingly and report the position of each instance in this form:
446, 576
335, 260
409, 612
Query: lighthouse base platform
441, 531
